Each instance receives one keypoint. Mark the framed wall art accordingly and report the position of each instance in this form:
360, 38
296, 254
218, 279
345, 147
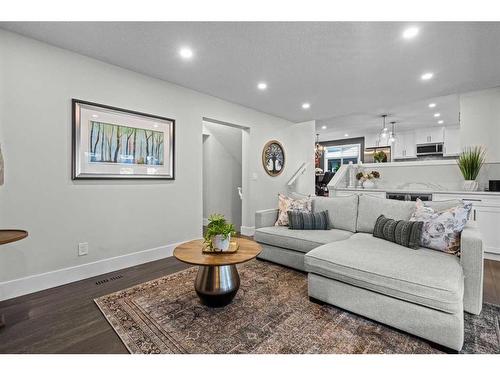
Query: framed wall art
115, 143
273, 158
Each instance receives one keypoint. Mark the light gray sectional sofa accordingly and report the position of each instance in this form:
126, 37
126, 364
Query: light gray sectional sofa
423, 292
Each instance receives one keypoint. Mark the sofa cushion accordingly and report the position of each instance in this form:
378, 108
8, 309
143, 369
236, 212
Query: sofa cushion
286, 204
402, 232
342, 211
442, 229
426, 277
308, 220
370, 208
298, 240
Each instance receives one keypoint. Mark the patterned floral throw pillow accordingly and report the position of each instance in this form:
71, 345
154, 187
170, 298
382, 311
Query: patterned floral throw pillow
441, 230
286, 204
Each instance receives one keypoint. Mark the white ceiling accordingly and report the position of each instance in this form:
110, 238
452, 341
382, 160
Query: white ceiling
406, 117
339, 67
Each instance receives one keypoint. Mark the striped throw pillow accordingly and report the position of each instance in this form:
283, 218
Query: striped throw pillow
308, 220
402, 232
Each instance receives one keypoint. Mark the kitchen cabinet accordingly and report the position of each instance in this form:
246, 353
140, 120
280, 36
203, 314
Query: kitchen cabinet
451, 141
404, 147
487, 218
429, 135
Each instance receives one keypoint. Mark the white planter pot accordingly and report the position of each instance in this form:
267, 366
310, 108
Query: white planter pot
368, 184
471, 185
221, 244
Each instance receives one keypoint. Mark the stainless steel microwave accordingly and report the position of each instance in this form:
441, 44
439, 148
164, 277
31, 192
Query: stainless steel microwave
430, 149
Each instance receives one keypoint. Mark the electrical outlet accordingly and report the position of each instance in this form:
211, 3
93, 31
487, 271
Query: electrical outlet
83, 248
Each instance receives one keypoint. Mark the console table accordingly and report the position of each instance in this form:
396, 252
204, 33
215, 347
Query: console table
8, 236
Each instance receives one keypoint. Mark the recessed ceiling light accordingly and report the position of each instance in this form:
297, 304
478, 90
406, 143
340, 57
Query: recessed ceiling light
262, 85
410, 32
306, 105
437, 114
440, 122
95, 116
186, 53
426, 76
323, 127
432, 105
346, 135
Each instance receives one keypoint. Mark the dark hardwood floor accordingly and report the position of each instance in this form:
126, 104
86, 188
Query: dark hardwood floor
491, 292
66, 320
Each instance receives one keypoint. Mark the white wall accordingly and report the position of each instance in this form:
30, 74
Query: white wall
301, 138
480, 121
115, 217
222, 173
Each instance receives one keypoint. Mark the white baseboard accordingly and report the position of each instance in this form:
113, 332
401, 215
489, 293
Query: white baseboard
30, 284
492, 256
247, 231
205, 221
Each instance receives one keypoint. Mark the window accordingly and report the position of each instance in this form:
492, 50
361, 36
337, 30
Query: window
335, 156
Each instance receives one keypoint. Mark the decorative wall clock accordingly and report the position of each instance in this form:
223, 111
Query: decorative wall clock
273, 158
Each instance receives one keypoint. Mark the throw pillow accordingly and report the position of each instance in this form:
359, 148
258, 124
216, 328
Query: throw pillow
403, 232
442, 229
286, 204
308, 220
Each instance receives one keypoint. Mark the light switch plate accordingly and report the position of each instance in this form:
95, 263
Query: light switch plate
83, 248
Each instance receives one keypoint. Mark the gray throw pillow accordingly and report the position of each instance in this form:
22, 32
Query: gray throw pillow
403, 232
308, 220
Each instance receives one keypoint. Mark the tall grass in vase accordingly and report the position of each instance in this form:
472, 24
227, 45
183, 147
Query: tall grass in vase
470, 163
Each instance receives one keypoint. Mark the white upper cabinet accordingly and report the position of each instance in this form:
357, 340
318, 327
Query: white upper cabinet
398, 149
451, 141
404, 147
429, 135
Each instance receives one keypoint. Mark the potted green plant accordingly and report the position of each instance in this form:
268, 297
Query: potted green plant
219, 232
380, 157
368, 179
470, 162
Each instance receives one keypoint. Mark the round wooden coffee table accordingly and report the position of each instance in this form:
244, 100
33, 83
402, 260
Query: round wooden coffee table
217, 281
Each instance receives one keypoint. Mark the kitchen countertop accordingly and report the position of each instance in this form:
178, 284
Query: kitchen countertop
426, 191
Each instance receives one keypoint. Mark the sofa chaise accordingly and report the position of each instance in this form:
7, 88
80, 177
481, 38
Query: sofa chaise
423, 292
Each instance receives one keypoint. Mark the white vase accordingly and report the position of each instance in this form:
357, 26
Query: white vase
471, 185
220, 243
368, 184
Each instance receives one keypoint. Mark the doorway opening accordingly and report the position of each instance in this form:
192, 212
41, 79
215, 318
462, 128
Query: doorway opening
223, 192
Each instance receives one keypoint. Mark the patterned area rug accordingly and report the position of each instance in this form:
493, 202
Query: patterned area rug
270, 314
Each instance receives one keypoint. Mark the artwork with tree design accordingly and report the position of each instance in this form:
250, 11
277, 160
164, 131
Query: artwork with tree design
110, 143
273, 158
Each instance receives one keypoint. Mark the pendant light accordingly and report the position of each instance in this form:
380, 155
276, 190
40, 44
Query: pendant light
318, 148
392, 135
383, 133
